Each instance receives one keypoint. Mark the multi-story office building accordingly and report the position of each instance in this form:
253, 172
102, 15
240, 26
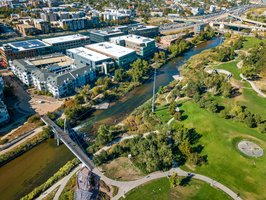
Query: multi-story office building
55, 73
122, 56
60, 44
32, 48
145, 47
84, 56
24, 49
104, 36
145, 31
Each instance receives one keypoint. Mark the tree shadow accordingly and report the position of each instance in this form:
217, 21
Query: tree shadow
185, 181
235, 92
193, 136
198, 148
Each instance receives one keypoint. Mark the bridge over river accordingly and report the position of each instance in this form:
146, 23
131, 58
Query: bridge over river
66, 139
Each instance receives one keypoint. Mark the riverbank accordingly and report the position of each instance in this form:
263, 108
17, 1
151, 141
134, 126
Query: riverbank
38, 155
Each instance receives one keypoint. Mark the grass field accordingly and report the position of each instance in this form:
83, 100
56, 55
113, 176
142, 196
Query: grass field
250, 42
231, 67
160, 190
122, 169
225, 164
163, 113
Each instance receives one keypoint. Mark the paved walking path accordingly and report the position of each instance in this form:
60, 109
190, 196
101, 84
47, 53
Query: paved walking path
62, 183
34, 133
254, 87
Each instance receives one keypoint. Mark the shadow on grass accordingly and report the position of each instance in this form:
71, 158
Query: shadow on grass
185, 181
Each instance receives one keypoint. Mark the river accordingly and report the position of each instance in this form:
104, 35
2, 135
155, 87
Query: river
24, 173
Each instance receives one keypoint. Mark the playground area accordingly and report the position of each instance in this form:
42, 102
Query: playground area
250, 148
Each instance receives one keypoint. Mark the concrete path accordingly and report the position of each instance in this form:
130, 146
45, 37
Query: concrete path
34, 133
254, 87
62, 183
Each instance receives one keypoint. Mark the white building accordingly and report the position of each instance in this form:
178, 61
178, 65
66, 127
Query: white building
121, 55
99, 62
60, 44
144, 46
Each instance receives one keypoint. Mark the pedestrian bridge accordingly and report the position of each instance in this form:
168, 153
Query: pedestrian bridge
65, 138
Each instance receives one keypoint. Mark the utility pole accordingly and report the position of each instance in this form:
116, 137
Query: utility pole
153, 95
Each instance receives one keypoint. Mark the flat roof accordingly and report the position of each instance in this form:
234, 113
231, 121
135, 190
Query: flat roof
28, 44
87, 53
107, 32
110, 49
133, 38
66, 38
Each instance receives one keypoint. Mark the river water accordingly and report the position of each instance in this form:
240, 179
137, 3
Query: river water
24, 173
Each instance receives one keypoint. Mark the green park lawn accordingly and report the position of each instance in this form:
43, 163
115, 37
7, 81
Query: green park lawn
250, 42
225, 164
231, 67
160, 190
163, 113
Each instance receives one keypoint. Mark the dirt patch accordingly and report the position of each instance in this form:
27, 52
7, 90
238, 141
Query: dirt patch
43, 104
261, 84
122, 169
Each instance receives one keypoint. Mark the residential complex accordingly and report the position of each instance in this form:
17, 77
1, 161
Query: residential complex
145, 47
55, 73
122, 56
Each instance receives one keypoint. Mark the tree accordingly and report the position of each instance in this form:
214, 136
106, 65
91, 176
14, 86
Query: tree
249, 71
172, 107
178, 116
119, 75
185, 148
104, 135
140, 68
174, 180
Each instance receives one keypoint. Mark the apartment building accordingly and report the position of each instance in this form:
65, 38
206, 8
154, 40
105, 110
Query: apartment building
104, 36
144, 47
122, 56
60, 44
99, 62
55, 73
26, 29
73, 24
